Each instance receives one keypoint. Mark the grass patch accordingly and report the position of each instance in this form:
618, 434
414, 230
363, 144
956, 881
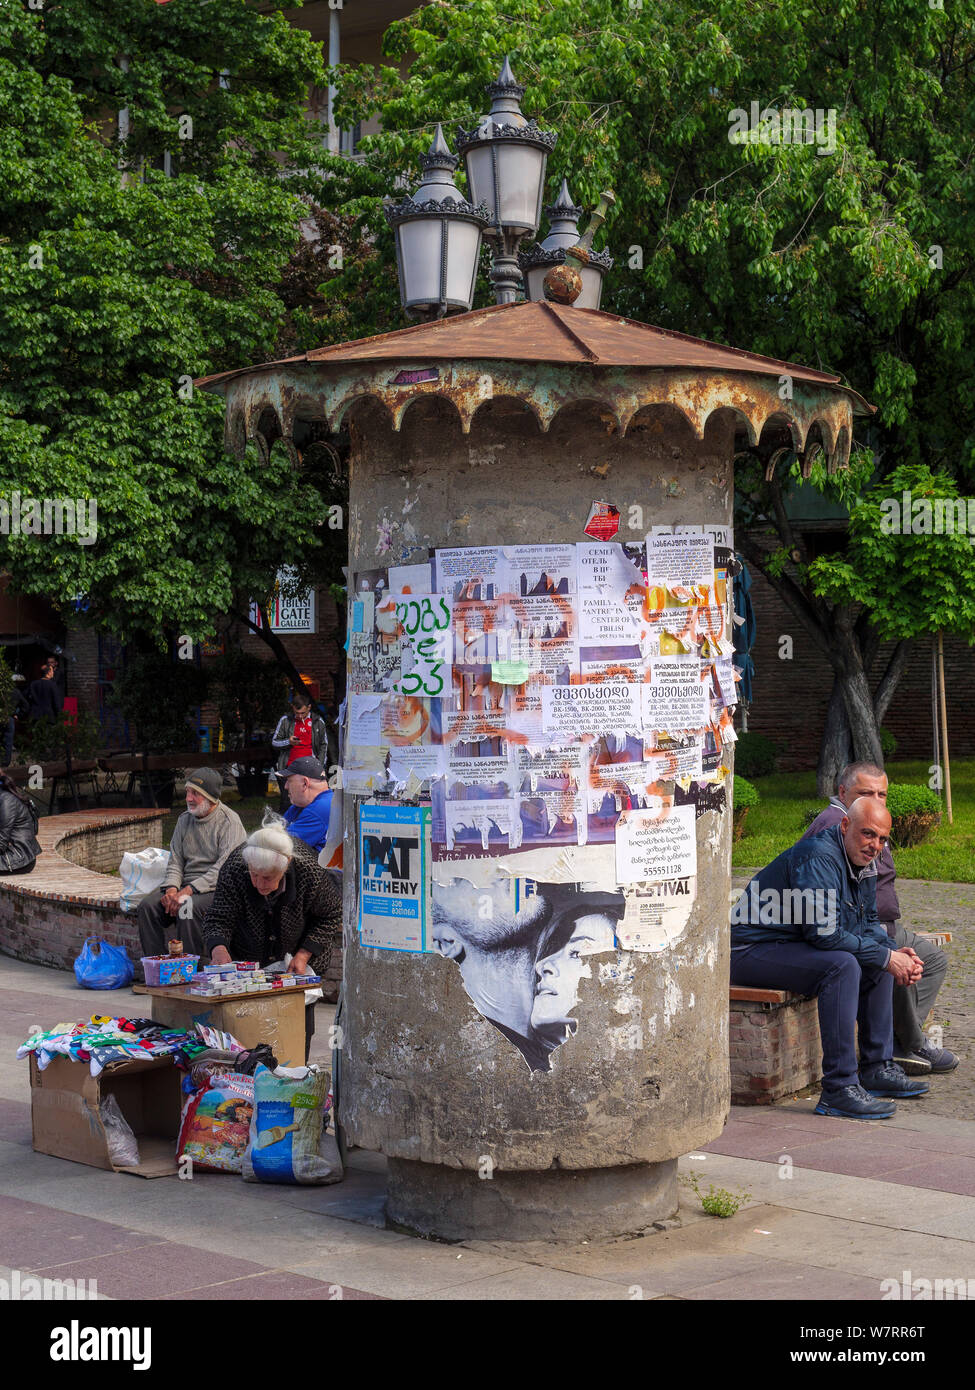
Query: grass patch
778, 820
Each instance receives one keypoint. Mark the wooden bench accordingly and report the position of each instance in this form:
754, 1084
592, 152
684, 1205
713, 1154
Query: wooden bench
774, 1042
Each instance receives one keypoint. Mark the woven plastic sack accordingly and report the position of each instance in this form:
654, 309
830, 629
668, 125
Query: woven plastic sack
289, 1139
102, 966
141, 874
216, 1124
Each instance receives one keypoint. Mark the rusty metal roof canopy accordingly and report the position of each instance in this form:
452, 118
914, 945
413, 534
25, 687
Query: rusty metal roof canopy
574, 354
544, 332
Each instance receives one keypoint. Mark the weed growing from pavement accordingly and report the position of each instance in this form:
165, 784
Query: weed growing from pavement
717, 1201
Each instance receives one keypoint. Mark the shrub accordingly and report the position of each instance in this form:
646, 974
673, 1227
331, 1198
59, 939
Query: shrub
914, 810
47, 740
755, 755
888, 744
743, 794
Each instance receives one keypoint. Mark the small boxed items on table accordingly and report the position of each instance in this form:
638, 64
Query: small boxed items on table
244, 977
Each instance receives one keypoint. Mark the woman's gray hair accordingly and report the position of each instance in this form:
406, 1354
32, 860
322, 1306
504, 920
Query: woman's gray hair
270, 849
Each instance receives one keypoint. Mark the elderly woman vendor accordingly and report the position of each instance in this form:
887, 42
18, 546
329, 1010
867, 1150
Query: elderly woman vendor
271, 899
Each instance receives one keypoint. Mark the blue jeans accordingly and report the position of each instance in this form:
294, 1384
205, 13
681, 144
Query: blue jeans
847, 994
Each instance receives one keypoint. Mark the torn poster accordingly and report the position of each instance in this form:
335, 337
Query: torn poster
482, 821
612, 596
604, 521
412, 579
424, 628
394, 887
365, 723
573, 712
656, 914
680, 563
523, 948
362, 644
675, 698
652, 846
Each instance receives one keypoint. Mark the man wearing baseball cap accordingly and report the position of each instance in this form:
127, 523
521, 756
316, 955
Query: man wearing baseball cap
311, 801
205, 834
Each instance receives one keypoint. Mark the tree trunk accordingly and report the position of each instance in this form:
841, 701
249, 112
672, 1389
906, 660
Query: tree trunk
888, 682
835, 749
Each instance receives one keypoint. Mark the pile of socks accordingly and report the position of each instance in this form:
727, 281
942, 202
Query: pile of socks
101, 1040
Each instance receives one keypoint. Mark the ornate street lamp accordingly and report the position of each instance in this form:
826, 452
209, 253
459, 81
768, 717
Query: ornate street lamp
505, 157
537, 260
438, 239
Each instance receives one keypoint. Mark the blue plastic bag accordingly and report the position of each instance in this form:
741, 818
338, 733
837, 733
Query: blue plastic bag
103, 966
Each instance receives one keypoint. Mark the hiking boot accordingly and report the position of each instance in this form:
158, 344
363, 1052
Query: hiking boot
854, 1103
913, 1063
937, 1058
888, 1079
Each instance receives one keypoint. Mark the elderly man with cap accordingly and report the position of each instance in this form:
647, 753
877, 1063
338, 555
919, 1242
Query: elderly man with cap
311, 801
204, 836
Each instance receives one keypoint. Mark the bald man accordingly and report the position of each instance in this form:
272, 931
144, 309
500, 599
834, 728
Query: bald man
913, 1049
808, 923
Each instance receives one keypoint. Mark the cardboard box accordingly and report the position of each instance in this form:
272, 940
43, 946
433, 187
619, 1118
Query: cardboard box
66, 1120
276, 1018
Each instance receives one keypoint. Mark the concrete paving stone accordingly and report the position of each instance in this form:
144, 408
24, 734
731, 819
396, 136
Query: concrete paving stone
755, 1141
32, 1234
276, 1286
945, 1173
367, 1161
859, 1247
855, 1158
412, 1269
15, 1126
524, 1284
7, 1272
149, 1272
780, 1280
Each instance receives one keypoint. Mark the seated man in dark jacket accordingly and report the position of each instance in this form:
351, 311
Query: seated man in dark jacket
808, 923
915, 1052
272, 898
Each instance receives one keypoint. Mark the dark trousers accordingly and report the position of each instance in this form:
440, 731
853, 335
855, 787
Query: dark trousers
913, 1003
309, 1028
157, 928
847, 993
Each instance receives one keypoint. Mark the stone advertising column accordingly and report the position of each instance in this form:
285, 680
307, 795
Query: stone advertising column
507, 1109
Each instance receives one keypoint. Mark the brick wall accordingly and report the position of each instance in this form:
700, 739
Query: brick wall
47, 932
790, 697
775, 1049
100, 848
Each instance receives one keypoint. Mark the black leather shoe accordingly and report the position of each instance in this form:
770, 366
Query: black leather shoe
888, 1079
853, 1103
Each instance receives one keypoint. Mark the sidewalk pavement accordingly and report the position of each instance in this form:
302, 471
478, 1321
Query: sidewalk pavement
836, 1207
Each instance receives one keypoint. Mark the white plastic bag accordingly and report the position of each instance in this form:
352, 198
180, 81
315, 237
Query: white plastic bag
141, 873
123, 1147
311, 995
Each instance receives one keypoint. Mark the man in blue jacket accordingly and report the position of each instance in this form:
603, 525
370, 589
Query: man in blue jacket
311, 801
808, 922
913, 1050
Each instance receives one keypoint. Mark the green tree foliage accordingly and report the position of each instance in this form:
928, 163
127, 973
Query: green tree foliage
119, 285
854, 256
155, 696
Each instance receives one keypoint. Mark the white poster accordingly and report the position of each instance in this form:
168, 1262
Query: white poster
611, 596
571, 712
656, 845
675, 697
680, 562
364, 720
656, 914
426, 640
